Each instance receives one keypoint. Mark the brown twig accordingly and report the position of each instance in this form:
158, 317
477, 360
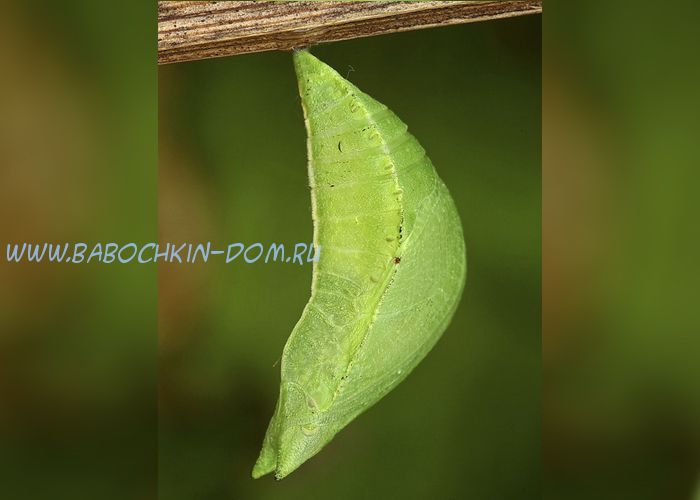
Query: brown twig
201, 30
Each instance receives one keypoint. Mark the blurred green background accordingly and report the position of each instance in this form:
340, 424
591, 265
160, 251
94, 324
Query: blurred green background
78, 162
466, 423
621, 324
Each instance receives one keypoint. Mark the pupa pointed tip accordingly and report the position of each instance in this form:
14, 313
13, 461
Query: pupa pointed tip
265, 464
260, 470
281, 471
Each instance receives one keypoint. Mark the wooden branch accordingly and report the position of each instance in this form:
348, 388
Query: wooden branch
201, 30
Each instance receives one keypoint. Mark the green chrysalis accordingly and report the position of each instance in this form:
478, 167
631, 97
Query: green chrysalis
390, 274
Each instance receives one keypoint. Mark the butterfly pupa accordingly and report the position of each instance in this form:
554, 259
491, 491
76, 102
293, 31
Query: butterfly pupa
390, 274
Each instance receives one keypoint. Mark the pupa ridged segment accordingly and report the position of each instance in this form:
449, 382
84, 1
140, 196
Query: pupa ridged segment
390, 273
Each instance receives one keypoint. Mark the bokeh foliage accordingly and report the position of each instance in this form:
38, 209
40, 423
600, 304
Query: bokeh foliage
78, 162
